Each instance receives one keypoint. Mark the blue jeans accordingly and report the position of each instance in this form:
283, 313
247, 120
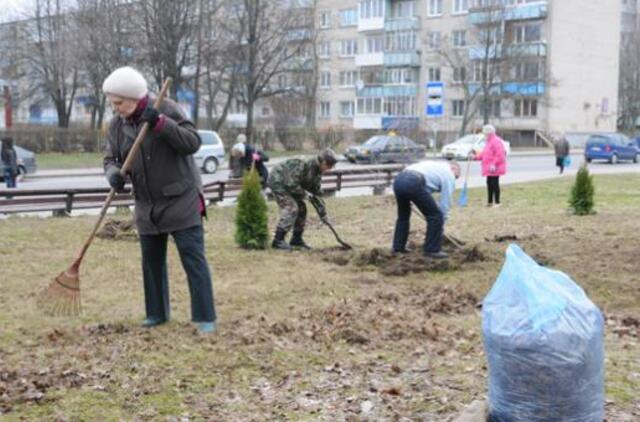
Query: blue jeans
190, 244
410, 187
9, 178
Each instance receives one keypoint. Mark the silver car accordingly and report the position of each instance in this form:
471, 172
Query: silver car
26, 162
211, 153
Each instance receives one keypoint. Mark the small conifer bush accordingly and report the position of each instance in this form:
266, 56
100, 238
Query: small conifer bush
251, 214
581, 200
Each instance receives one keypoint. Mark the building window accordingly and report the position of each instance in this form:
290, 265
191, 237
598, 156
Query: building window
348, 48
434, 40
457, 108
282, 81
348, 78
349, 17
400, 76
265, 111
527, 71
434, 7
525, 108
325, 20
460, 6
374, 44
434, 74
402, 9
371, 9
346, 108
529, 32
325, 109
325, 79
399, 41
459, 74
494, 107
399, 106
325, 49
459, 38
369, 106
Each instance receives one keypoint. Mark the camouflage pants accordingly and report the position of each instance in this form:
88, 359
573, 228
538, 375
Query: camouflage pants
293, 212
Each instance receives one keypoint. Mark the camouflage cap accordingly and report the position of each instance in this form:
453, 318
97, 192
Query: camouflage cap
328, 156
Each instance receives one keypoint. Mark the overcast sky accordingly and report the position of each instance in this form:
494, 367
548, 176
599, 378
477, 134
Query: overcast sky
10, 9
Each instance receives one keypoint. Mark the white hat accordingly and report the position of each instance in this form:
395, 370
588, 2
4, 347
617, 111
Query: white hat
239, 147
487, 129
125, 82
241, 138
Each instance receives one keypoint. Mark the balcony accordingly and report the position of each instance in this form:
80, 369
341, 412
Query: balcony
524, 89
371, 24
482, 52
377, 121
388, 91
402, 59
370, 59
495, 14
533, 49
402, 24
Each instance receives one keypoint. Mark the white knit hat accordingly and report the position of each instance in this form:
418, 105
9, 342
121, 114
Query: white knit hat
125, 82
487, 129
239, 147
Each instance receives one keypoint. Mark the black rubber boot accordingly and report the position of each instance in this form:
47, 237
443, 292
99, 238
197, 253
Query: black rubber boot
279, 242
297, 241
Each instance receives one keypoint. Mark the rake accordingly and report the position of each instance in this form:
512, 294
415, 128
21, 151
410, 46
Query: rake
463, 200
62, 295
317, 204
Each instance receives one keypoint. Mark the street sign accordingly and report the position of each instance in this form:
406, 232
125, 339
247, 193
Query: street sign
435, 101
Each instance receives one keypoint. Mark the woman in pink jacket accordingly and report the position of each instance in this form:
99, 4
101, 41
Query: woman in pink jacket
494, 164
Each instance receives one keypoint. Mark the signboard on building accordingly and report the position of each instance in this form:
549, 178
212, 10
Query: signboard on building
435, 99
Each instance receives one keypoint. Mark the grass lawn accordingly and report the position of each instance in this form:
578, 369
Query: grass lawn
56, 160
322, 335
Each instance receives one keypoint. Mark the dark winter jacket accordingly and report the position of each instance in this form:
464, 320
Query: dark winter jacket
10, 159
247, 161
561, 147
166, 182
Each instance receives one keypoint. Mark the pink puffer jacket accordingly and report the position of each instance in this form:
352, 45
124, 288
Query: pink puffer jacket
493, 156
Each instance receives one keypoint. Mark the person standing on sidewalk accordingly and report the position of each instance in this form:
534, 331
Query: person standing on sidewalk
246, 156
10, 162
561, 147
416, 184
168, 193
494, 164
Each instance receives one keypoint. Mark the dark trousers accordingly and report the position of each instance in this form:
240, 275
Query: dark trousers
493, 189
409, 187
190, 244
9, 178
560, 163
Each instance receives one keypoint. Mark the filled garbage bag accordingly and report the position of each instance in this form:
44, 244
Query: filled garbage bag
543, 339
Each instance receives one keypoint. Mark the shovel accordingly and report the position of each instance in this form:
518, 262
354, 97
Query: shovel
457, 243
62, 296
316, 204
463, 200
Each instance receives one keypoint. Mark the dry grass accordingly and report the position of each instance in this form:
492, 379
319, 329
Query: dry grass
300, 337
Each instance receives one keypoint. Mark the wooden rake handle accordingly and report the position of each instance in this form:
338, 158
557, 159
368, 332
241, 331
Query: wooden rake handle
128, 163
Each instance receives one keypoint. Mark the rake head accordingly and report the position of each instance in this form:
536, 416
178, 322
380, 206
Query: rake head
62, 296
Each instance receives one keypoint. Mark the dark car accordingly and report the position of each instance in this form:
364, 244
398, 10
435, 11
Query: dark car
612, 147
385, 149
26, 162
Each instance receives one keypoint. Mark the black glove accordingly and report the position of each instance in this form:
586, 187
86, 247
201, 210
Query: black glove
318, 204
116, 180
150, 115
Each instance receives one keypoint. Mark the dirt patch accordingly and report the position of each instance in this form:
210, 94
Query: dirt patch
499, 238
118, 230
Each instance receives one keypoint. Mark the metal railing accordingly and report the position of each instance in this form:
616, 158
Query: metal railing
64, 201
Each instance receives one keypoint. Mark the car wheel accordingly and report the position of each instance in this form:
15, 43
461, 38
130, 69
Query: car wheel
613, 159
210, 165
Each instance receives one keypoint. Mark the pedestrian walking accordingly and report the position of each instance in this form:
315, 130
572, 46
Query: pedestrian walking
494, 164
561, 147
290, 181
416, 184
9, 161
247, 157
168, 193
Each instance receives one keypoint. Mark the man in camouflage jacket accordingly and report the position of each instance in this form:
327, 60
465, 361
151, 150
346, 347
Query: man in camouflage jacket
289, 182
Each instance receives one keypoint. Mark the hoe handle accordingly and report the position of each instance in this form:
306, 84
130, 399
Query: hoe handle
125, 168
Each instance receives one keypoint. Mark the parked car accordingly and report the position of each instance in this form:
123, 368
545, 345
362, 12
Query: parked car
468, 146
385, 149
611, 147
210, 156
26, 162
636, 143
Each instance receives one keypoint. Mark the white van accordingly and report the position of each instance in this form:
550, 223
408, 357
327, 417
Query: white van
211, 153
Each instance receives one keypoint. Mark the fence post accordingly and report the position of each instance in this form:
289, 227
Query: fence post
339, 181
68, 203
221, 192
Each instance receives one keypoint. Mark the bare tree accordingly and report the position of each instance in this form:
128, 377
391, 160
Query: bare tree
629, 86
49, 49
263, 30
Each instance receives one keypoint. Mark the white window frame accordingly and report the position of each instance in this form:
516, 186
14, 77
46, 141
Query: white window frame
459, 74
352, 17
325, 79
325, 109
457, 108
348, 78
435, 39
525, 107
348, 47
459, 38
434, 8
459, 7
352, 109
434, 74
324, 52
325, 20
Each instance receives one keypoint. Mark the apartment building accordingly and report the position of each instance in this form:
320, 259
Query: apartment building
535, 67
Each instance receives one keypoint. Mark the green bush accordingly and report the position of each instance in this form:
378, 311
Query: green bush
251, 214
581, 200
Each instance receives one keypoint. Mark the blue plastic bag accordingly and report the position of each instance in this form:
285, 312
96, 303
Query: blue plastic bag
567, 161
543, 339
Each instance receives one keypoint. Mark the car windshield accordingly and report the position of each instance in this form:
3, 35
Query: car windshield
468, 140
597, 140
208, 138
373, 141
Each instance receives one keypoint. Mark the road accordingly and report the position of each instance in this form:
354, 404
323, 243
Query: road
520, 168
